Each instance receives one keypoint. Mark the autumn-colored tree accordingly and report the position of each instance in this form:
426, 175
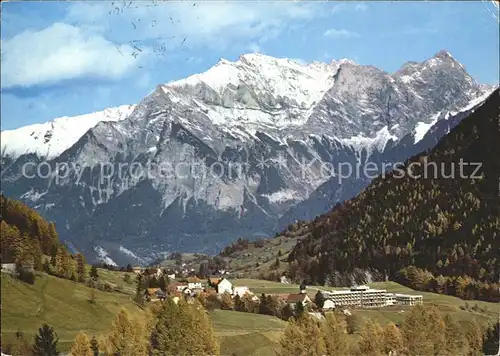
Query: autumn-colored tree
424, 331
226, 301
302, 337
455, 342
126, 337
355, 322
334, 331
371, 341
474, 336
81, 345
182, 329
81, 270
392, 340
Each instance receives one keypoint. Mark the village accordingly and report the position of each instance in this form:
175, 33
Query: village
193, 286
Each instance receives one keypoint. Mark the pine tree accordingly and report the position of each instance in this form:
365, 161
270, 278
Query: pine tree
392, 339
302, 337
125, 337
456, 344
490, 344
371, 339
81, 346
62, 263
424, 331
93, 272
182, 329
319, 299
45, 342
474, 336
94, 345
80, 267
138, 291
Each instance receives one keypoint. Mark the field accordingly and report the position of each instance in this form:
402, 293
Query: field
61, 303
65, 306
247, 334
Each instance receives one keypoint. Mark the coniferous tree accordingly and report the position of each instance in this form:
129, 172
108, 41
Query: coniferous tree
93, 272
491, 338
94, 345
126, 337
424, 331
371, 339
81, 346
474, 336
80, 267
45, 343
334, 332
182, 329
302, 337
392, 340
319, 299
456, 344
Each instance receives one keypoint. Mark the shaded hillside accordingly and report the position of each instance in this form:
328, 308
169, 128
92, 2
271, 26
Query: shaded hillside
446, 225
24, 233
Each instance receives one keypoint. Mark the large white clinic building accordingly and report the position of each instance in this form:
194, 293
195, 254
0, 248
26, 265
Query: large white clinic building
365, 297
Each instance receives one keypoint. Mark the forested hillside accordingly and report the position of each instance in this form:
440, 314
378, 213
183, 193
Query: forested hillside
25, 235
439, 222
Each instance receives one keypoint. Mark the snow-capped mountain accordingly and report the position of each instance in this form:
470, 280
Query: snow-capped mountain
52, 138
242, 149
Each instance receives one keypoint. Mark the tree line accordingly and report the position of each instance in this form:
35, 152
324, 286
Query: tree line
164, 329
425, 331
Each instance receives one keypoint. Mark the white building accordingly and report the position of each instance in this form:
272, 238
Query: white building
241, 291
365, 297
224, 286
328, 305
302, 298
362, 296
407, 299
390, 299
194, 283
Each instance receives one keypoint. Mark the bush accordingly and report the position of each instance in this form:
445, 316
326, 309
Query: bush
25, 275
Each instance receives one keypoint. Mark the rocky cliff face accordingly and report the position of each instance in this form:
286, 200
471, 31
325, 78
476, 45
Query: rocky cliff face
240, 150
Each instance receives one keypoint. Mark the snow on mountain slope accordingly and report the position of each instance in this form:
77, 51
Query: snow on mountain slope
421, 128
52, 138
103, 256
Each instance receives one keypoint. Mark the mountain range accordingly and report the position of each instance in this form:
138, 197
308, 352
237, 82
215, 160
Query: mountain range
243, 149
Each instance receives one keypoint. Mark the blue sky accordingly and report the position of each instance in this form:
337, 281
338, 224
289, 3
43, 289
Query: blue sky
70, 58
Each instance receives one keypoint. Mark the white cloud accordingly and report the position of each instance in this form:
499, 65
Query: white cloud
340, 33
61, 52
208, 24
254, 47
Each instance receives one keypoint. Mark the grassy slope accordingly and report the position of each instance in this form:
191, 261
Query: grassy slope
64, 305
61, 303
247, 334
245, 262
